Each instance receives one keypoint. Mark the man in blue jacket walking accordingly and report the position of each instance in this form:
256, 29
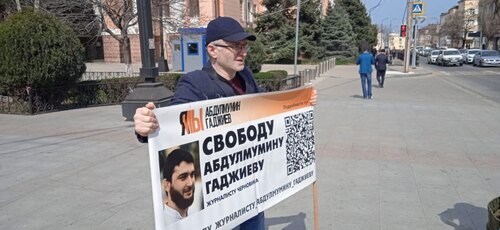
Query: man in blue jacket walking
225, 75
365, 62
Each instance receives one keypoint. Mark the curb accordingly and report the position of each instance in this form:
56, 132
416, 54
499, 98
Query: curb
399, 73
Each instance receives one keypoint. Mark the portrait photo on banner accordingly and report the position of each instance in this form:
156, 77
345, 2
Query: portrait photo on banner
180, 181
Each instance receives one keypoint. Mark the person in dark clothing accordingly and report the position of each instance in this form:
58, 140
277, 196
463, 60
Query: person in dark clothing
225, 75
381, 62
374, 52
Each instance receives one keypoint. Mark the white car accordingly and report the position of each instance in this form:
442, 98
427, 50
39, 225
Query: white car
449, 57
432, 57
470, 55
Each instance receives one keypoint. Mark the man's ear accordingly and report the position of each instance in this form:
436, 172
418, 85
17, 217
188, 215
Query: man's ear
166, 185
211, 51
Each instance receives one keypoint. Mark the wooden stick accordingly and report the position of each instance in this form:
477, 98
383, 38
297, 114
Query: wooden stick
315, 201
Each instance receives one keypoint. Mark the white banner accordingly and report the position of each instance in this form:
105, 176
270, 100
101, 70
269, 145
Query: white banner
249, 153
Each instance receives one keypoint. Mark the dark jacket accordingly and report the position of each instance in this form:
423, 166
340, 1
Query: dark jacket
206, 84
381, 61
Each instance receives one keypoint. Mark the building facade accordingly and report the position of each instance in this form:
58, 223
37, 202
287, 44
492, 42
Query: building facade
489, 23
176, 14
428, 36
396, 42
459, 26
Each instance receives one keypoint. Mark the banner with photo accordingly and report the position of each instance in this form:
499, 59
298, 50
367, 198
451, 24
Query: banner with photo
216, 163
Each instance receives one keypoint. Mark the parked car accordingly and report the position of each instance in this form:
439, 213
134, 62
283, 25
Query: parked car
432, 57
487, 58
470, 55
449, 57
426, 52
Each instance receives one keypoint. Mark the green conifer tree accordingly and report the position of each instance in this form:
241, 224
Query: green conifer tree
338, 36
277, 27
365, 34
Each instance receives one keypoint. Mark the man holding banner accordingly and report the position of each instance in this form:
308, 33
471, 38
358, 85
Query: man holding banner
224, 75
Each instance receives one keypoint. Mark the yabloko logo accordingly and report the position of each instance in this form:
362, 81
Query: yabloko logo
190, 122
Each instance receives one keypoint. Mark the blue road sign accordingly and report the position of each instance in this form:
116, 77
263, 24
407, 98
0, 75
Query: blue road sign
418, 8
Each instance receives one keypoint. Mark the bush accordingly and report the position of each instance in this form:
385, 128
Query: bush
279, 74
345, 61
37, 50
263, 75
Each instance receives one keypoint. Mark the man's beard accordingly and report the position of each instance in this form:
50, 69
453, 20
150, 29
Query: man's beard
179, 199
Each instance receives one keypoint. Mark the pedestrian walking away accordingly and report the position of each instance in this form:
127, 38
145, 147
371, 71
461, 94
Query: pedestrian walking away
224, 75
365, 62
381, 62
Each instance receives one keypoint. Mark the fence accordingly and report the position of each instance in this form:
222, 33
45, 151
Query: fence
308, 75
111, 88
97, 76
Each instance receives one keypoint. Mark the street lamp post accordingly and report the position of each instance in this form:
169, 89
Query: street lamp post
150, 91
390, 24
382, 32
162, 62
390, 30
409, 16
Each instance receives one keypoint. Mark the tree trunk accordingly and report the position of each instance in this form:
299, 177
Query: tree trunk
125, 50
36, 4
18, 5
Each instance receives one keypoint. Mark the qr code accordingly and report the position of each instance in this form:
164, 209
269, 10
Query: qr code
300, 141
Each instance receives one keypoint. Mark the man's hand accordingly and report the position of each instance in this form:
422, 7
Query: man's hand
145, 120
314, 97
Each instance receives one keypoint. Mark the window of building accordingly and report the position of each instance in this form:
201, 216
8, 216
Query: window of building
194, 8
192, 48
216, 8
166, 9
250, 11
242, 11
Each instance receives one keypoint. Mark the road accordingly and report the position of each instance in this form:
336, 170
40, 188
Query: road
481, 81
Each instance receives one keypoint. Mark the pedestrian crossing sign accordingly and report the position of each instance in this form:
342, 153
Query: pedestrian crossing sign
418, 8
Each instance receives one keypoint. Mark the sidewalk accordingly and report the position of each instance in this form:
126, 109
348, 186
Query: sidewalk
422, 155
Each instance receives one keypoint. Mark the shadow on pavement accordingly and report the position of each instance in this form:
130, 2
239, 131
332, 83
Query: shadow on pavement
357, 96
467, 215
295, 222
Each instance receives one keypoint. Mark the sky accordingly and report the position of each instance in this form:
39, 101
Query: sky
394, 10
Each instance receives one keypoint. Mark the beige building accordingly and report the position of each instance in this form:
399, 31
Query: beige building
490, 17
469, 12
459, 26
396, 42
428, 36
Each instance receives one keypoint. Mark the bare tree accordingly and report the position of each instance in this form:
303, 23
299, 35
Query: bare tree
489, 20
469, 17
116, 17
171, 16
453, 29
78, 14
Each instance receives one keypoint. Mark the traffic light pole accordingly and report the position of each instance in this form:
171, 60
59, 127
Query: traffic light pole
414, 51
409, 16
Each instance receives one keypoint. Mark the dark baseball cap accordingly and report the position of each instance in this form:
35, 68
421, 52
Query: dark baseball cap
227, 29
